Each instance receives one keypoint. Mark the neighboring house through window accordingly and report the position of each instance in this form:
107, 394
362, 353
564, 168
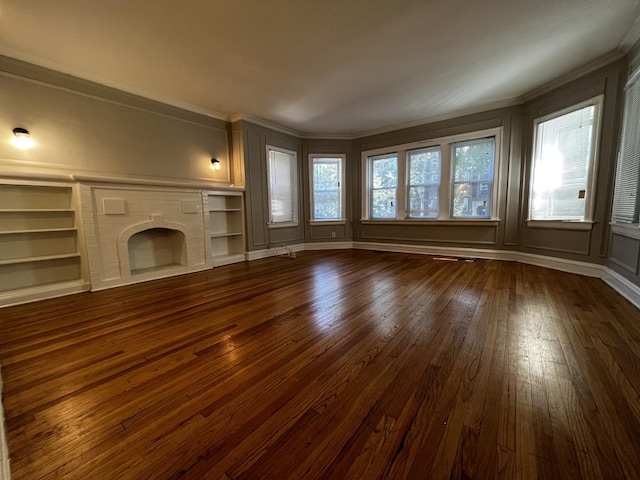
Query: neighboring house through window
448, 178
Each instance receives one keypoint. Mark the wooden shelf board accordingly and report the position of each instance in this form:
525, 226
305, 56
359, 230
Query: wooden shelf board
225, 234
36, 210
39, 230
225, 209
43, 258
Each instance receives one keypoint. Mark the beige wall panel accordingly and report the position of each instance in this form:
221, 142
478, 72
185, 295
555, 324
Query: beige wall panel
78, 133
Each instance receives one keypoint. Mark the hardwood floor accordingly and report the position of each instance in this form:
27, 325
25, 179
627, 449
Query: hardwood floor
334, 365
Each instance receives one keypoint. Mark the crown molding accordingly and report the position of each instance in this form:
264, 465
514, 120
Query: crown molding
575, 74
38, 70
389, 128
632, 36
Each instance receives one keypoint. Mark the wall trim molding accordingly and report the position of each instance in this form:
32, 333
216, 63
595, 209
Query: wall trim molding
621, 285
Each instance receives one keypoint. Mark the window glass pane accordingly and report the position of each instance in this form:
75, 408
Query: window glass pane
327, 188
423, 202
384, 183
424, 182
282, 186
562, 161
473, 177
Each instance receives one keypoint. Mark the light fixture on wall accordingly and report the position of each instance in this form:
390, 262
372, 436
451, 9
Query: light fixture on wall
215, 164
21, 138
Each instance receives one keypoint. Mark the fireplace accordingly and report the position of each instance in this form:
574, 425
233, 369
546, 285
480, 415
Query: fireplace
138, 233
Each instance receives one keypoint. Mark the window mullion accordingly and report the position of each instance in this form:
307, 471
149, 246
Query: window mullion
401, 191
446, 179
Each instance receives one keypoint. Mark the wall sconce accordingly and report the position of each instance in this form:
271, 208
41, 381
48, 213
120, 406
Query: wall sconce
215, 164
21, 139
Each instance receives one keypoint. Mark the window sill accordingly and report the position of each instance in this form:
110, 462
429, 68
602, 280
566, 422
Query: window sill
282, 225
482, 222
561, 224
327, 222
631, 230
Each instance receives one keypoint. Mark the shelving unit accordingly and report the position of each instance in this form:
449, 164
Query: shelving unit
39, 252
226, 227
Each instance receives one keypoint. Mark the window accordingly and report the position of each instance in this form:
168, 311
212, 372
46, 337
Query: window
424, 182
327, 191
283, 192
384, 186
626, 198
448, 178
473, 177
564, 160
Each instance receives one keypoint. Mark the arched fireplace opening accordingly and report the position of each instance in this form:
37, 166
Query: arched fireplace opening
156, 248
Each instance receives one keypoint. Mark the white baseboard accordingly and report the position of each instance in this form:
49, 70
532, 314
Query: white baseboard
41, 293
274, 252
569, 266
328, 246
5, 473
621, 285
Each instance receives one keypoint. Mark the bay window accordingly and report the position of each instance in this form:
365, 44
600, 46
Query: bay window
449, 178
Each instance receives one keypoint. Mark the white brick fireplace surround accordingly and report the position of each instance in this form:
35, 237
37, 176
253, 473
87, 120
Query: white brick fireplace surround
135, 233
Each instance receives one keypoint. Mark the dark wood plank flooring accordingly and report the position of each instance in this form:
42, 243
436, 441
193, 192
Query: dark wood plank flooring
334, 365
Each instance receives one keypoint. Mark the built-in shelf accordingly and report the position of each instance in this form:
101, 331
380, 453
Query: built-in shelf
43, 258
39, 230
39, 249
226, 234
35, 210
226, 226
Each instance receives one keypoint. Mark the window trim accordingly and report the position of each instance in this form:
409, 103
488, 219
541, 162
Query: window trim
592, 178
294, 161
445, 212
343, 196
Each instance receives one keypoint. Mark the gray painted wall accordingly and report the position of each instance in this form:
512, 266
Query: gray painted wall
82, 127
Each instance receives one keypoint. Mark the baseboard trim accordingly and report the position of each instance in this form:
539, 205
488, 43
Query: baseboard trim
569, 266
42, 293
5, 472
621, 285
274, 252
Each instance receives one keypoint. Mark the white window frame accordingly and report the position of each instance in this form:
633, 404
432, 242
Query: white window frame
446, 180
592, 180
627, 162
342, 163
294, 166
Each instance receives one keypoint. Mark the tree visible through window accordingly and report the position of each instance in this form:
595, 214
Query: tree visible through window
443, 178
327, 187
473, 177
424, 182
384, 186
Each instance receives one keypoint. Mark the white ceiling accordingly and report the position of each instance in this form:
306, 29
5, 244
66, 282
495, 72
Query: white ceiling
330, 66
